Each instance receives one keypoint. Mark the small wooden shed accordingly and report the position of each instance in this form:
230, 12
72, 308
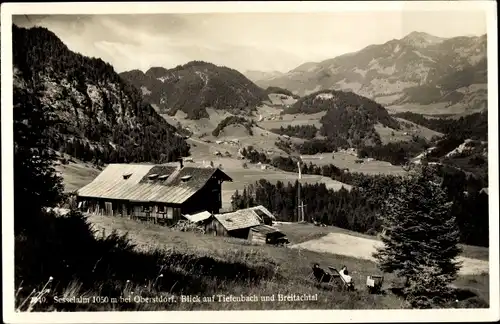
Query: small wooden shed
250, 223
265, 234
235, 224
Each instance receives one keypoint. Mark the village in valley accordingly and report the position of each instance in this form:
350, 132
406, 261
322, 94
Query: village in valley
346, 183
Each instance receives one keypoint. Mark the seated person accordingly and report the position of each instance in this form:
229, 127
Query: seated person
345, 275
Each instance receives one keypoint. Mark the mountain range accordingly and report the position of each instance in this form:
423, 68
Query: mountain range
417, 70
105, 116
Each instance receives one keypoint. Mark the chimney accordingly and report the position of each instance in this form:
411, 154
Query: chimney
181, 164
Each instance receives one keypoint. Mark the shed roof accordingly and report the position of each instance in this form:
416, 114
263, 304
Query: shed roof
261, 211
239, 219
111, 183
198, 217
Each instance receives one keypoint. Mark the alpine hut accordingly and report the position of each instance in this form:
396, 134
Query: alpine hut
161, 193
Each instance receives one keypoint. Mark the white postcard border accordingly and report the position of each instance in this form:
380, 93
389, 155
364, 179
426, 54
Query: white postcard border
302, 316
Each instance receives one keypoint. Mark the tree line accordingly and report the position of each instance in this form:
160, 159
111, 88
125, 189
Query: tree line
300, 131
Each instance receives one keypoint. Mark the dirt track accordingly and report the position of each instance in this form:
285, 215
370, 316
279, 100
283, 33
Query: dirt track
362, 248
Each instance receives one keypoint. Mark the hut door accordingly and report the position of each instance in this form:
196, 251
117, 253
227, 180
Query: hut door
124, 210
108, 208
137, 211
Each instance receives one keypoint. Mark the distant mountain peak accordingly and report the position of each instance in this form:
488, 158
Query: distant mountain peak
195, 86
421, 39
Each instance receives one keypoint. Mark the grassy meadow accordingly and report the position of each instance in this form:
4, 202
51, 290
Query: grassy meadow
156, 261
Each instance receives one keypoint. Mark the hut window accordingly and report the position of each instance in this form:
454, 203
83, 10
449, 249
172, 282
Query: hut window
170, 213
185, 178
163, 177
152, 176
126, 176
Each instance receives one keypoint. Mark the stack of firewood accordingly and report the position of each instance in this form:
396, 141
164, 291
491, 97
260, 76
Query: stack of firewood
186, 226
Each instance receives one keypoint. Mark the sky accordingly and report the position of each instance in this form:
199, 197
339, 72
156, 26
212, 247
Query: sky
244, 41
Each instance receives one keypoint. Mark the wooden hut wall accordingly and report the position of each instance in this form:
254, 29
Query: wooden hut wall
158, 213
257, 237
208, 198
164, 214
215, 228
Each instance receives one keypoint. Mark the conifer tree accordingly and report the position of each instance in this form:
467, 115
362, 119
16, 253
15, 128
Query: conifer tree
421, 237
36, 183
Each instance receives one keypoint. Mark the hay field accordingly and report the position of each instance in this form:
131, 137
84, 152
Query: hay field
200, 126
344, 160
299, 233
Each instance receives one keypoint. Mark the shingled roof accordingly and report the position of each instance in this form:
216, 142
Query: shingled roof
240, 219
153, 183
244, 218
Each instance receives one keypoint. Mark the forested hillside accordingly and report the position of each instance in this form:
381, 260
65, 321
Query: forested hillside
300, 131
195, 86
282, 91
97, 116
349, 118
